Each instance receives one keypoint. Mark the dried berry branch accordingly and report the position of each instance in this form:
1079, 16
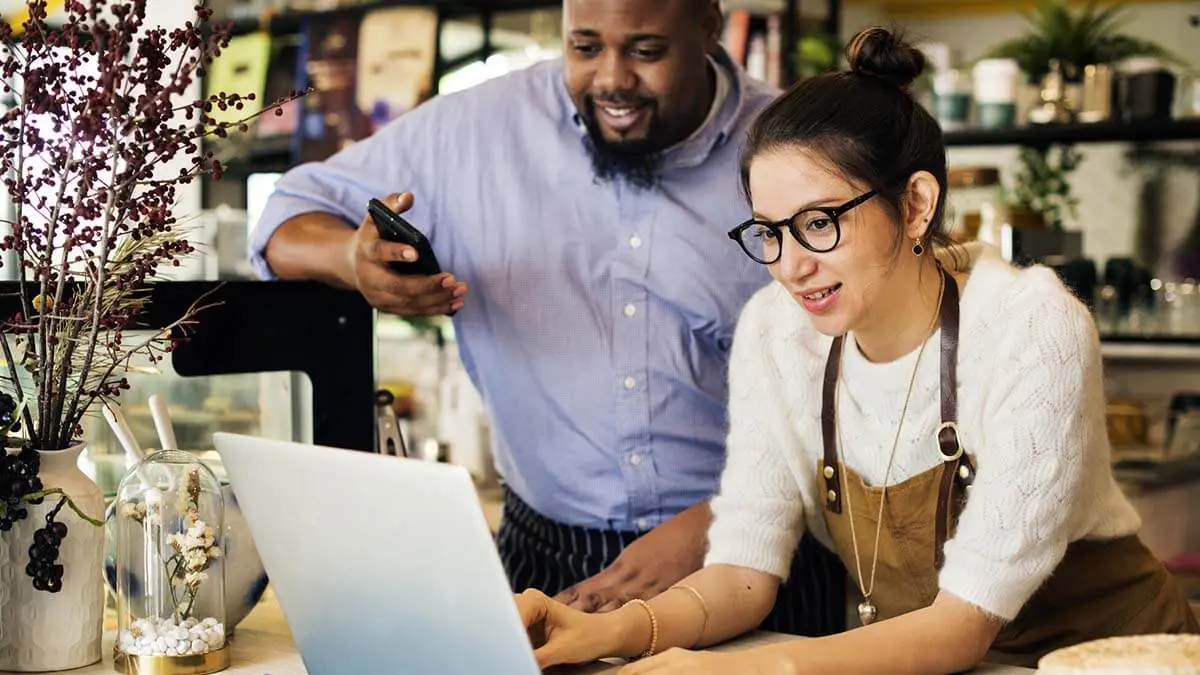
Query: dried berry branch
99, 137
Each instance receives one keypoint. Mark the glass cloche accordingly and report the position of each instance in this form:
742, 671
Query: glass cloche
169, 568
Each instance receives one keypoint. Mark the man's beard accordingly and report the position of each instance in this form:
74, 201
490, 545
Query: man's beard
637, 161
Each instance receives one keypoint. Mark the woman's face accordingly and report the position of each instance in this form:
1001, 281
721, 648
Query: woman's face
841, 288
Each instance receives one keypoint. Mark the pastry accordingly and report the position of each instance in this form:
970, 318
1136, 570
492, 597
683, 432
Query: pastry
1130, 655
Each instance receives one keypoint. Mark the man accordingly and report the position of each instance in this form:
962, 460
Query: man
579, 209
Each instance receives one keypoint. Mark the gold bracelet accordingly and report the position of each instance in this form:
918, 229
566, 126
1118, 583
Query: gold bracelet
653, 627
703, 606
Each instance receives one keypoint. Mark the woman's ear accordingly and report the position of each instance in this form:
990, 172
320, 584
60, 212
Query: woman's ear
920, 203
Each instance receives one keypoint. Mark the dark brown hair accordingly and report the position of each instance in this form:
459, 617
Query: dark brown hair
865, 122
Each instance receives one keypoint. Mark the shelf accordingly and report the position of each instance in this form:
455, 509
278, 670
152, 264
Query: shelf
1151, 351
918, 10
1099, 132
271, 161
1157, 475
759, 7
255, 154
291, 22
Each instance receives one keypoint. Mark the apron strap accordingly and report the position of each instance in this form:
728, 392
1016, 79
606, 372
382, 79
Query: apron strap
831, 469
957, 469
956, 466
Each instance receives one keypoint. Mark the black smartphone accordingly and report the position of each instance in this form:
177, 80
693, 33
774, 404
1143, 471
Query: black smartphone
394, 228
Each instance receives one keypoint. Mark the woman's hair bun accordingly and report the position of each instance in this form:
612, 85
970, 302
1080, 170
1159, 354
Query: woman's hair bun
879, 53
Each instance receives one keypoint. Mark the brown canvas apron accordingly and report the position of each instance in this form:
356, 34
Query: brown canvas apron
1099, 589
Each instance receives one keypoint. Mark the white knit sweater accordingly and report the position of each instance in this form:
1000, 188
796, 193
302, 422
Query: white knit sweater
1031, 412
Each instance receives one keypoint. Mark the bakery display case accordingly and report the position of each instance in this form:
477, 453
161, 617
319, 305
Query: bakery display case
288, 360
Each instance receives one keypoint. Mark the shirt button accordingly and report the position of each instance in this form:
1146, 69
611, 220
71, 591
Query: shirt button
635, 241
642, 524
635, 459
630, 383
630, 310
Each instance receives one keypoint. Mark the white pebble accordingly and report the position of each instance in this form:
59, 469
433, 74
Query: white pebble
168, 638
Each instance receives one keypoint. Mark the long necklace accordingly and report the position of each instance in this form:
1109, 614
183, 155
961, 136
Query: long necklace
867, 611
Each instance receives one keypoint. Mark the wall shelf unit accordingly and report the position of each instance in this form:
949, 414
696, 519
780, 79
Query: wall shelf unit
290, 22
1099, 132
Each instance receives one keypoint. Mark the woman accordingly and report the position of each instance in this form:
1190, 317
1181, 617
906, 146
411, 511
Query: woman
938, 421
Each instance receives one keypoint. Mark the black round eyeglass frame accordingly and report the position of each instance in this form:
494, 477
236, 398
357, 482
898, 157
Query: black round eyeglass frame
834, 213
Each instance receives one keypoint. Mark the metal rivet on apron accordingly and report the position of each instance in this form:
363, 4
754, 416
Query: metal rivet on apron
964, 472
832, 496
829, 472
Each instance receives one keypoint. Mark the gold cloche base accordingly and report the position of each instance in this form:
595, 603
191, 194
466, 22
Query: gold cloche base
192, 664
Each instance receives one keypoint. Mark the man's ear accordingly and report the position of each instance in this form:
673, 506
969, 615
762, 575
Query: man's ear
714, 23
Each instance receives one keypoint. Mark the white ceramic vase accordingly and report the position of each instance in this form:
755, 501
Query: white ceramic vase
40, 631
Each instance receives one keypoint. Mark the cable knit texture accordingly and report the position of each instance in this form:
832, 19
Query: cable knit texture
1031, 413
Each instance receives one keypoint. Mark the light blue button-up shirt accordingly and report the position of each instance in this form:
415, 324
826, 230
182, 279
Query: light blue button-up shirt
599, 318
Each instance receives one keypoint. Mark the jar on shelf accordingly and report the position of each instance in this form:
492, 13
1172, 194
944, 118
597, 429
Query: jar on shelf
972, 203
170, 573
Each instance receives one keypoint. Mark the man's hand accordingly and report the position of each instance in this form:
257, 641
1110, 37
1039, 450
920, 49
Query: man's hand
368, 256
648, 566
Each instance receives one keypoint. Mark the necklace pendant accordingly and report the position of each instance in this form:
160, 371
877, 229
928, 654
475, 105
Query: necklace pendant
867, 612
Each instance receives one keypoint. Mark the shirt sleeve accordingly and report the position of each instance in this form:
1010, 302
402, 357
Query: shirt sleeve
397, 158
758, 516
1043, 447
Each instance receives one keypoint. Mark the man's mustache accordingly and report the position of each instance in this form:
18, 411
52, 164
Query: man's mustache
618, 100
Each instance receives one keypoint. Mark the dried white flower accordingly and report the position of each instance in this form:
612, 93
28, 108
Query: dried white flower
194, 547
136, 511
193, 579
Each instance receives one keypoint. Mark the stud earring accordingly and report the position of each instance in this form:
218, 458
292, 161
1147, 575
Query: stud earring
918, 249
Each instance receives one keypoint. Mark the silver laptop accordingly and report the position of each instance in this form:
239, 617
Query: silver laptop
381, 564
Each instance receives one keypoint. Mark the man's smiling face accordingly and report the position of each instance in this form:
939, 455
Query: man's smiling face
637, 71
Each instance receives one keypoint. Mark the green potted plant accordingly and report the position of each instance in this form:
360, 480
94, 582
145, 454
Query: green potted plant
1040, 195
817, 53
1076, 40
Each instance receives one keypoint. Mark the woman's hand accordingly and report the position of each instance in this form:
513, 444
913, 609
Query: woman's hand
562, 635
685, 662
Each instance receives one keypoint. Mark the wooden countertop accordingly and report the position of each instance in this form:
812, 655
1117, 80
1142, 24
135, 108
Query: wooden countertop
263, 643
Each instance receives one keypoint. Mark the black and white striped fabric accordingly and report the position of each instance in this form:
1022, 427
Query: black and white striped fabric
813, 600
540, 553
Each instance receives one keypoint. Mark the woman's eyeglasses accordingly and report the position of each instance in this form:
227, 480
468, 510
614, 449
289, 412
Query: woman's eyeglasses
817, 229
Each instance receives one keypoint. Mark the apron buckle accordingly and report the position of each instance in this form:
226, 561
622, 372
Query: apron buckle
947, 438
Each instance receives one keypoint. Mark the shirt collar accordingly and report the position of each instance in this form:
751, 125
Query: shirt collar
720, 93
720, 125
